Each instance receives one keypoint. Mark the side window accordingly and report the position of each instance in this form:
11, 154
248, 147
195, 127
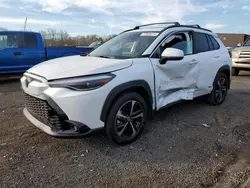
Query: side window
181, 41
211, 46
30, 41
200, 42
10, 41
215, 43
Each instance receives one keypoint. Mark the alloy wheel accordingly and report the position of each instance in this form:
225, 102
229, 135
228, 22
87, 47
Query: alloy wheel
221, 90
129, 119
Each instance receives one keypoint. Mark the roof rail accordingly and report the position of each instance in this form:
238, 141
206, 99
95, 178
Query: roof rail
195, 25
174, 24
160, 23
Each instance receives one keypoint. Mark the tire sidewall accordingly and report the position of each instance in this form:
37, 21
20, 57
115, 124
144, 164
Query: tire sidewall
213, 94
110, 123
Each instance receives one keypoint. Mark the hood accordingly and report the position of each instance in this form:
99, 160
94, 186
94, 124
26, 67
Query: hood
73, 66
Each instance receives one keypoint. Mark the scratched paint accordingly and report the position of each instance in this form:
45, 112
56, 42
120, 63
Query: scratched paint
175, 80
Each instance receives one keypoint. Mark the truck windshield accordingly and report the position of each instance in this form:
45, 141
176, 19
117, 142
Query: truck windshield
247, 43
126, 45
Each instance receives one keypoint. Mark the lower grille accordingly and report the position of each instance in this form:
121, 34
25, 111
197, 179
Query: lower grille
42, 111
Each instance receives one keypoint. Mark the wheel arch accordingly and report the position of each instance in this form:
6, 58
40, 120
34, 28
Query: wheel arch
227, 71
139, 86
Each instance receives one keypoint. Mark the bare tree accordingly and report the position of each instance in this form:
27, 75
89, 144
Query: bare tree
55, 37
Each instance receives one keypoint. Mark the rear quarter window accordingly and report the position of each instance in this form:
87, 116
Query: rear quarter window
215, 43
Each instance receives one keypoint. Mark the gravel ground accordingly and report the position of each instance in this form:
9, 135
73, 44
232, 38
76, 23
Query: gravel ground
191, 144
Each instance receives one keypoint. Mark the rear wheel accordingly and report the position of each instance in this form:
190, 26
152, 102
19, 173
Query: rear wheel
220, 88
235, 72
126, 118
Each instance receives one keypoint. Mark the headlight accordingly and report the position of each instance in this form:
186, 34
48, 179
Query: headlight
235, 54
83, 83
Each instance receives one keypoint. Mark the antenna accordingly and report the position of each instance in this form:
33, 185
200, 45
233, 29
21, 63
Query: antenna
25, 24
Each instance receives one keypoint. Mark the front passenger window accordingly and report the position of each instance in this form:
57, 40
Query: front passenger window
179, 41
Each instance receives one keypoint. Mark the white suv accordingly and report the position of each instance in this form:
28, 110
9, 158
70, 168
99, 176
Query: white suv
120, 84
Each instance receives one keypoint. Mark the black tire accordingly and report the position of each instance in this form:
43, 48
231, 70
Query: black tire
214, 98
235, 72
118, 110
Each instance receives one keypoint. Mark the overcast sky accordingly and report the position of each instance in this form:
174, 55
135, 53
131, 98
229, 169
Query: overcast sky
112, 16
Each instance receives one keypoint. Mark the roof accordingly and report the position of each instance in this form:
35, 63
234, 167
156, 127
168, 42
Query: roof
20, 32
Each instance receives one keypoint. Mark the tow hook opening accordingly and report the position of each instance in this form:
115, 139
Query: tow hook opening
78, 127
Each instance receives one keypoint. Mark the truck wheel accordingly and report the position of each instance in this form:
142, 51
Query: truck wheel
235, 72
220, 88
127, 118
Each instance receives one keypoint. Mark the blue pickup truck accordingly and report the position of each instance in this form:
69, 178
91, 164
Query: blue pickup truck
20, 50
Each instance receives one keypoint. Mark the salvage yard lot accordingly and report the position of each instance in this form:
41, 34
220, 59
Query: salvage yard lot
191, 144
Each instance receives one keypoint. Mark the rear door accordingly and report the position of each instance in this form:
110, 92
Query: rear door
208, 54
32, 52
10, 52
175, 80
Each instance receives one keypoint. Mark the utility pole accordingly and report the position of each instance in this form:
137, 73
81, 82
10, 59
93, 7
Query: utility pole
25, 24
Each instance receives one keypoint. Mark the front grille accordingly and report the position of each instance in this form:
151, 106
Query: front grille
42, 111
245, 54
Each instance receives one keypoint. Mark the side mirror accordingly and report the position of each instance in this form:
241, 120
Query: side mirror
171, 54
84, 53
239, 45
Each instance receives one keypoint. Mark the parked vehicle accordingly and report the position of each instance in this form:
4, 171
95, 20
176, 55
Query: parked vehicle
21, 50
119, 85
96, 44
241, 58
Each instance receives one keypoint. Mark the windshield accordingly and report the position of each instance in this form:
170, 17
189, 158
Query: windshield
247, 43
126, 45
95, 44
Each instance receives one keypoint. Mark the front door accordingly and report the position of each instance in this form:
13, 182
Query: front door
10, 52
175, 80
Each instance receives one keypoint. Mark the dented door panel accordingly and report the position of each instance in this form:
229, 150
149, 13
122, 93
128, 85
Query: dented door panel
175, 80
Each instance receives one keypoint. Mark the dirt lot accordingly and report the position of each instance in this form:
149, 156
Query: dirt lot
176, 149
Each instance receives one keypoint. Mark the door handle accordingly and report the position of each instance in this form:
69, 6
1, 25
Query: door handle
193, 62
17, 53
216, 57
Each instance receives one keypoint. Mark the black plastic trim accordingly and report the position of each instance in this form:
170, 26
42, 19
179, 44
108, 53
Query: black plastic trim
82, 128
58, 110
117, 90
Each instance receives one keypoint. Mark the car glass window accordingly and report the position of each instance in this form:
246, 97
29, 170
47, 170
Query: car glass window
10, 41
215, 43
211, 46
247, 43
200, 42
126, 45
179, 41
30, 41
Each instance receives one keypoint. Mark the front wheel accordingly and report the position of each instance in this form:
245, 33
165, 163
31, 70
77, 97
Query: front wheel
127, 118
220, 88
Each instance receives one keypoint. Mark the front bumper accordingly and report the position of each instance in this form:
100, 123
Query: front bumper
243, 64
62, 108
75, 131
